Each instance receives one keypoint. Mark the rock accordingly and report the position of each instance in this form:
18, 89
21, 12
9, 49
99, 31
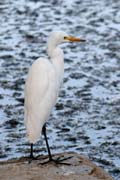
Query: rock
80, 168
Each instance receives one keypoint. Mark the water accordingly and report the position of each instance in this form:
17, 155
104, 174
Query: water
86, 118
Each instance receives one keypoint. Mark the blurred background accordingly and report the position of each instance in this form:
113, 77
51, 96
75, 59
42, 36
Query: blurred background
86, 118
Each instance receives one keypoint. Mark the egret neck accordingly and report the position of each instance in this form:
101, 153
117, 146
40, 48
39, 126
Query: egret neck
57, 59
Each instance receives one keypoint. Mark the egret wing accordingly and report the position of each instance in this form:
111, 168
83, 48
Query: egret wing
37, 83
36, 87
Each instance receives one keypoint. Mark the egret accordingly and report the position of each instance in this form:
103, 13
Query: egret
42, 87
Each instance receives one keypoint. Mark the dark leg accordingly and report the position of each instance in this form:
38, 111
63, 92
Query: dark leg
58, 160
31, 157
31, 151
46, 140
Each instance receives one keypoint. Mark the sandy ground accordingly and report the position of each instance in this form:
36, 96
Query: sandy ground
80, 168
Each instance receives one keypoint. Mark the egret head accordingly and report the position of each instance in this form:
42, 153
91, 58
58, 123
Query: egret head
58, 37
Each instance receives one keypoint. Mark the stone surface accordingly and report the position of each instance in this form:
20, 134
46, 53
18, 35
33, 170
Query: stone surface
80, 168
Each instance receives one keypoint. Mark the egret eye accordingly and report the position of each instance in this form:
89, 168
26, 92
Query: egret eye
65, 37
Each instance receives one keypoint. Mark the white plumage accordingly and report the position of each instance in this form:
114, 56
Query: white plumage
43, 84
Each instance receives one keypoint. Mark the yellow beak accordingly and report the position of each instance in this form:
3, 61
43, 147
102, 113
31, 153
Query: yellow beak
74, 39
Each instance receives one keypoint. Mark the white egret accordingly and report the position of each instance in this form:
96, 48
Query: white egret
42, 88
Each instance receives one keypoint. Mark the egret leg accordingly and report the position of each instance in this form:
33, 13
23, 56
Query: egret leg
47, 144
58, 160
31, 151
31, 157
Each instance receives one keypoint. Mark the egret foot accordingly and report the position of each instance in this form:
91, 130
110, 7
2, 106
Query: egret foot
57, 161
